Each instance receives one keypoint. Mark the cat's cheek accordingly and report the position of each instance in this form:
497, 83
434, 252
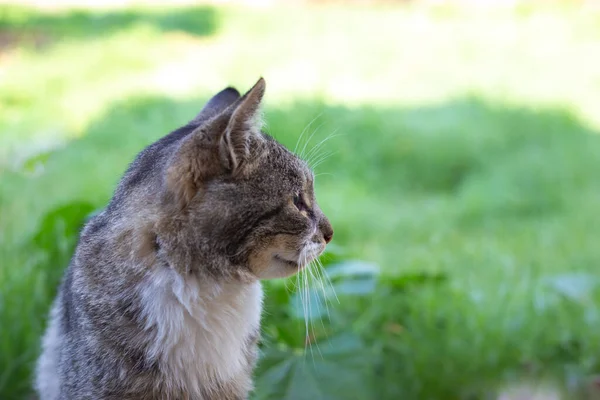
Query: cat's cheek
277, 270
269, 261
268, 267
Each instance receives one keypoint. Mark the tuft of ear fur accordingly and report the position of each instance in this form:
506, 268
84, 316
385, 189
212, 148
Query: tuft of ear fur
245, 122
219, 146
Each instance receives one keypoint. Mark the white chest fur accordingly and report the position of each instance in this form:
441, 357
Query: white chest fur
201, 328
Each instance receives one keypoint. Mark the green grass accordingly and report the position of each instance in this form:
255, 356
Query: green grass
468, 147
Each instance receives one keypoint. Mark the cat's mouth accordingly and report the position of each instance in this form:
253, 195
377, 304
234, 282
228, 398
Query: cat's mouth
291, 263
306, 256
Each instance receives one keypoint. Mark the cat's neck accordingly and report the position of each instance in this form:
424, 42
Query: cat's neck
201, 328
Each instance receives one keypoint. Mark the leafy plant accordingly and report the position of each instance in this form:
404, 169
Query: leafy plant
308, 353
322, 340
338, 368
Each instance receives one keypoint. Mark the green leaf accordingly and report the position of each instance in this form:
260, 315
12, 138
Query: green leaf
577, 287
62, 223
353, 277
360, 287
35, 163
352, 268
310, 304
277, 292
347, 278
334, 369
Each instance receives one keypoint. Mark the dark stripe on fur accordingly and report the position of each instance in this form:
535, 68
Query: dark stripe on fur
240, 239
67, 303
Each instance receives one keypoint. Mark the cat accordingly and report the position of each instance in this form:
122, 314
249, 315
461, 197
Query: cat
162, 298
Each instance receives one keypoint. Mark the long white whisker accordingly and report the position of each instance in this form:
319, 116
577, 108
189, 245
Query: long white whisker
302, 301
323, 159
307, 340
323, 173
329, 282
322, 142
317, 151
315, 276
305, 130
322, 273
290, 282
319, 273
309, 276
301, 288
317, 154
309, 139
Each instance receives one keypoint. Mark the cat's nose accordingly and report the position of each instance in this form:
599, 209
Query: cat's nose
326, 230
328, 236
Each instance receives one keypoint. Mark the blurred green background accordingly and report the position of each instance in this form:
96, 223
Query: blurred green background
461, 161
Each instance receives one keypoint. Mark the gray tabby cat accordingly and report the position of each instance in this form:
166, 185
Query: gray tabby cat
162, 298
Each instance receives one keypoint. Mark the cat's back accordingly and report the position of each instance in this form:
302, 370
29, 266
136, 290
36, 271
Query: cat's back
89, 345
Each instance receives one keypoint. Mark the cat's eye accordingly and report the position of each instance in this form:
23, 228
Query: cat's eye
298, 202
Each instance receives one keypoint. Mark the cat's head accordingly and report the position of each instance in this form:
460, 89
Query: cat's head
233, 193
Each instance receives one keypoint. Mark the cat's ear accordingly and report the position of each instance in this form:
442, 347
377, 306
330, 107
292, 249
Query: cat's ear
217, 104
217, 147
244, 123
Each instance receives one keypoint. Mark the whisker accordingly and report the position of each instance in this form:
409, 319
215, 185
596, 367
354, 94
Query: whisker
289, 282
322, 142
325, 301
316, 152
319, 271
309, 139
315, 277
305, 129
299, 279
326, 275
313, 156
312, 325
323, 159
307, 341
322, 273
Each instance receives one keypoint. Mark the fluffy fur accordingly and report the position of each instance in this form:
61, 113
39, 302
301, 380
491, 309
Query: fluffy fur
162, 299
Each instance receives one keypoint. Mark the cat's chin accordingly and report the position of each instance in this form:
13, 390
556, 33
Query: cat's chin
283, 264
288, 263
280, 267
292, 266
